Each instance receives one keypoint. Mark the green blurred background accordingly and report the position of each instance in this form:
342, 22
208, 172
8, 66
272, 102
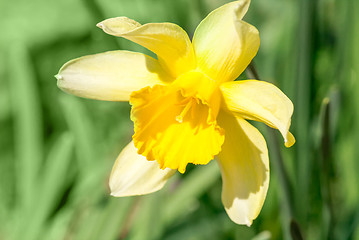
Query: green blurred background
57, 150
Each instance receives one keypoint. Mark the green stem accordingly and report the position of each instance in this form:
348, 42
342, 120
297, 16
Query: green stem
302, 103
328, 171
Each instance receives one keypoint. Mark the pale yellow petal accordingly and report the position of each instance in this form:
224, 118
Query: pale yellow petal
169, 41
224, 44
173, 129
110, 76
260, 101
132, 174
245, 169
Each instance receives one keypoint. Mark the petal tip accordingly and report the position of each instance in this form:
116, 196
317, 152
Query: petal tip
120, 194
248, 223
241, 8
100, 25
245, 221
289, 140
58, 77
241, 220
111, 187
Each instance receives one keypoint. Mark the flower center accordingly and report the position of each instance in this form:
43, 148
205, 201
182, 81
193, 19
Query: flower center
174, 128
197, 89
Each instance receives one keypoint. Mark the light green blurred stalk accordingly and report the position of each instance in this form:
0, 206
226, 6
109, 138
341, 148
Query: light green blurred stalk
28, 124
350, 227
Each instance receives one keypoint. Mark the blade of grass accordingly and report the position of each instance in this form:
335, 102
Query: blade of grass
346, 151
28, 125
92, 170
90, 188
327, 171
6, 162
193, 185
147, 223
295, 231
58, 227
206, 228
86, 222
55, 174
103, 221
302, 104
52, 185
113, 219
81, 126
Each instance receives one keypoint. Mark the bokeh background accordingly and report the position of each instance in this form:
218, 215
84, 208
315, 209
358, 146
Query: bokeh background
57, 150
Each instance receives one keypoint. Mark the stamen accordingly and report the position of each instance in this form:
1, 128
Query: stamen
185, 110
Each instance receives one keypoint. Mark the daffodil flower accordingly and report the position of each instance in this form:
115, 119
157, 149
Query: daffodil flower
187, 106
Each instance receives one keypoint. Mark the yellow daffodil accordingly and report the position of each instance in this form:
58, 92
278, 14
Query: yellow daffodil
186, 106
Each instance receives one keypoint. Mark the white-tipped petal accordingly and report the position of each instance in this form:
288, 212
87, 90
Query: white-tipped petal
133, 175
110, 76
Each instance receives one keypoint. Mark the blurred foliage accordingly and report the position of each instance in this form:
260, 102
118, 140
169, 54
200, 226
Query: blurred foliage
57, 150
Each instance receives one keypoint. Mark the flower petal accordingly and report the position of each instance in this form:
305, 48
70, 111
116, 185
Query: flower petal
173, 129
224, 44
110, 76
260, 101
169, 41
132, 174
245, 169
